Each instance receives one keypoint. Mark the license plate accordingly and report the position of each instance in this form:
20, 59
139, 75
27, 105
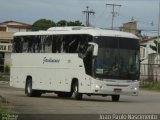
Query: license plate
117, 90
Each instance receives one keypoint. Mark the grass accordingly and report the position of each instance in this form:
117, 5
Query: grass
152, 86
5, 110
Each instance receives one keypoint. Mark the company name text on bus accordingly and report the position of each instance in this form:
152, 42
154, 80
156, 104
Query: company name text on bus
50, 60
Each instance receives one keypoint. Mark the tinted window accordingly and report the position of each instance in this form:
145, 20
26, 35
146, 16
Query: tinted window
117, 42
51, 43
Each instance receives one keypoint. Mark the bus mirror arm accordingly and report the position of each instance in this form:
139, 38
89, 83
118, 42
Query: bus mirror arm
95, 48
141, 60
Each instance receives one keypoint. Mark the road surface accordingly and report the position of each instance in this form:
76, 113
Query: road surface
147, 102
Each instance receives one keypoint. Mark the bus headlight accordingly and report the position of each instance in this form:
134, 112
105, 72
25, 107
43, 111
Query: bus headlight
135, 89
97, 87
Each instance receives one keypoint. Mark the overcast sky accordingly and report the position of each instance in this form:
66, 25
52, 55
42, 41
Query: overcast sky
144, 12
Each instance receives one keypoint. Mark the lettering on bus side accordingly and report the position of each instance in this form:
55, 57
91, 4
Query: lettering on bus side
50, 60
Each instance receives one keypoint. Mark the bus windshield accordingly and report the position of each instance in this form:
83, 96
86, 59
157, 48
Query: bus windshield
118, 58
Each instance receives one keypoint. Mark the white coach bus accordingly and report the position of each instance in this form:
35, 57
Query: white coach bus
76, 61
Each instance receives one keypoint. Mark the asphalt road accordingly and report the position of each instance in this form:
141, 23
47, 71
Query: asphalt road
147, 102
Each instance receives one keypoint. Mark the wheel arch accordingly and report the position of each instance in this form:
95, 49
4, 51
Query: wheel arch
74, 80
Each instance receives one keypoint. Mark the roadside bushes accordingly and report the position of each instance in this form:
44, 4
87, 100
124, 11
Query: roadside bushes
7, 69
152, 86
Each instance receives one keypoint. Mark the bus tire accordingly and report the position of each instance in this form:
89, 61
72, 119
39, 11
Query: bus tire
115, 98
76, 94
29, 91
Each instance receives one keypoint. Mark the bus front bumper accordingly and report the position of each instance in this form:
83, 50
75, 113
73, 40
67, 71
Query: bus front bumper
115, 88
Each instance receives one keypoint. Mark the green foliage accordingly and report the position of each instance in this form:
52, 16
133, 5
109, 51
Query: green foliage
62, 23
7, 69
154, 47
43, 24
4, 111
156, 86
69, 23
75, 23
152, 86
148, 85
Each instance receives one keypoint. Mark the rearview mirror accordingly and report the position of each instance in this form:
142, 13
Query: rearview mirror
95, 48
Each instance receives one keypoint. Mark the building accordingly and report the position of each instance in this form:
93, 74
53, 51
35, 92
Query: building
150, 65
13, 26
5, 49
132, 28
7, 29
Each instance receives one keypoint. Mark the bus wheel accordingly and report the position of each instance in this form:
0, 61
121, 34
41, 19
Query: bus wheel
115, 98
76, 94
29, 91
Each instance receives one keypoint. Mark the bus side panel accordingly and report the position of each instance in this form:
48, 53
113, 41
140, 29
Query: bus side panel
43, 78
28, 64
71, 68
17, 78
53, 72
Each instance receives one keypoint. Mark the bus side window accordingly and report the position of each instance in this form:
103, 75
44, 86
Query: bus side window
83, 46
73, 43
38, 44
42, 44
18, 45
59, 45
29, 45
66, 40
48, 44
34, 44
14, 47
54, 44
65, 43
25, 45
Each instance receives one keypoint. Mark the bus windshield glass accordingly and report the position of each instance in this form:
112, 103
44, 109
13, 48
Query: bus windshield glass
118, 58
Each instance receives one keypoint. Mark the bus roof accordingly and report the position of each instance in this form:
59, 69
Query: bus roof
78, 30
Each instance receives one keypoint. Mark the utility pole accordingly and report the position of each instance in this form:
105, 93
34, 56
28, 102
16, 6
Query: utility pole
158, 28
88, 13
113, 11
158, 38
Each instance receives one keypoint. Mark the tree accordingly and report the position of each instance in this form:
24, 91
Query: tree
156, 46
75, 23
62, 23
69, 23
78, 23
42, 24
